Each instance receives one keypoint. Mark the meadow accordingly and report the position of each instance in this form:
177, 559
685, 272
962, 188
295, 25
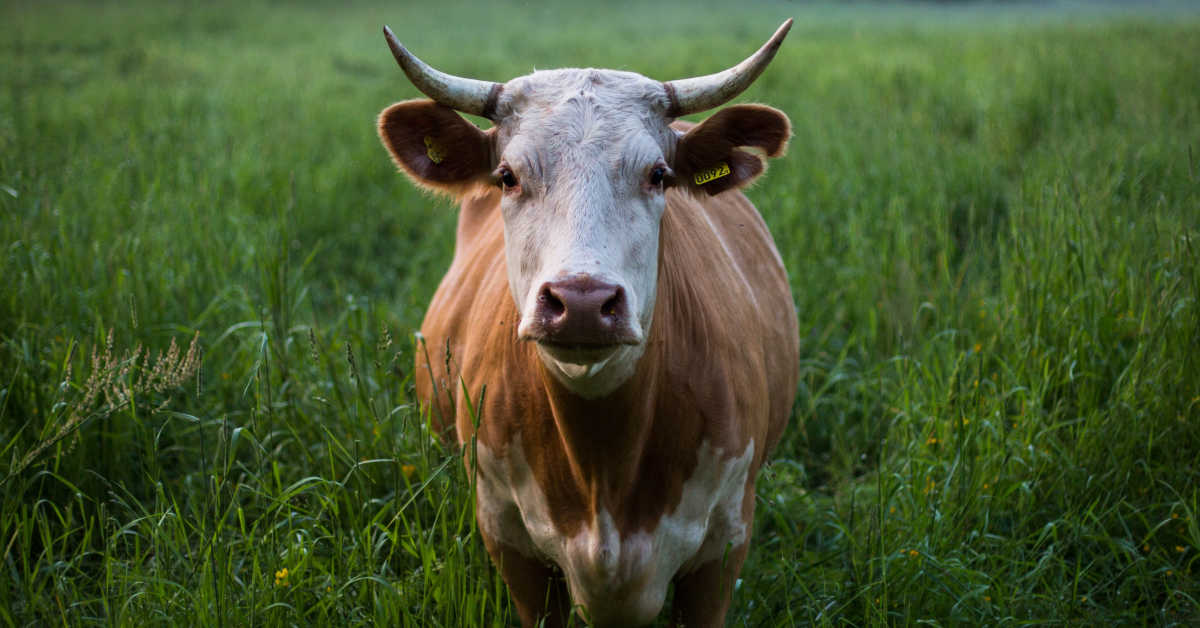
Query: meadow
211, 276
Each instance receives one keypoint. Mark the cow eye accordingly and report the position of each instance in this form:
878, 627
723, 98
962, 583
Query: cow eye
507, 178
657, 175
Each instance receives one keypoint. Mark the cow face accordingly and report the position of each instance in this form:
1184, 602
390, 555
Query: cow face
583, 160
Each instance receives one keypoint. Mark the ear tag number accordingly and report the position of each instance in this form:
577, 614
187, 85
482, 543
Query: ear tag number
711, 174
433, 151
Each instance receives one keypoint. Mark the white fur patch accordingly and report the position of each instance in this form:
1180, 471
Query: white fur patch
620, 580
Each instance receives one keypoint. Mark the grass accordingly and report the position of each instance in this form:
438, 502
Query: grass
991, 219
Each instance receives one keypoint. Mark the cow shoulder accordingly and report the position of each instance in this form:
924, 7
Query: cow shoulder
457, 353
735, 323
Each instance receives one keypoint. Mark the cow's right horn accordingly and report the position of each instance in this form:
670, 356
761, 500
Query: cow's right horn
701, 93
463, 94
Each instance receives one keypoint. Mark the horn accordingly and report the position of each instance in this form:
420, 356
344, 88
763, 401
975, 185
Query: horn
701, 93
463, 94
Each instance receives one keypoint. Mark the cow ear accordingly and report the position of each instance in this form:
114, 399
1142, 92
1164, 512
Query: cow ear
711, 157
435, 146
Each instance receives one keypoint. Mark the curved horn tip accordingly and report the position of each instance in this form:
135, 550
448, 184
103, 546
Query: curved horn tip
701, 93
780, 34
462, 94
392, 42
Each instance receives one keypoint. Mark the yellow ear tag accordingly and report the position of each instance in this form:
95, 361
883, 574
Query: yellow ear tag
433, 151
711, 174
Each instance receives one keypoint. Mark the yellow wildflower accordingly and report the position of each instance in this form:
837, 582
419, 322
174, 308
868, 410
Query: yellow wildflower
408, 470
281, 577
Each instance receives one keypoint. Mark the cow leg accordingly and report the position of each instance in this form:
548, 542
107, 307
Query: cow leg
537, 589
702, 597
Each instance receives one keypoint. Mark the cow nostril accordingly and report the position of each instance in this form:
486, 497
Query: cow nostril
611, 306
550, 304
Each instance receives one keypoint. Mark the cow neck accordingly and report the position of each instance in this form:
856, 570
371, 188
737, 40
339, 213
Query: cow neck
605, 439
597, 434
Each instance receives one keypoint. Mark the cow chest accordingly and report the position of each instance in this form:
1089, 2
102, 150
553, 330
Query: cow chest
607, 569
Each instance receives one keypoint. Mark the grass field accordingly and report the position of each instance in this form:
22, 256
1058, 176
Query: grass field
211, 275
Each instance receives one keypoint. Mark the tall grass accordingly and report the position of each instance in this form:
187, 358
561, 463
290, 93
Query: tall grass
991, 218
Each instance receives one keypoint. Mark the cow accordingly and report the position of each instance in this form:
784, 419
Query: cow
615, 345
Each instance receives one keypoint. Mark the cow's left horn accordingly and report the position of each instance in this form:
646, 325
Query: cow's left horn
463, 94
701, 93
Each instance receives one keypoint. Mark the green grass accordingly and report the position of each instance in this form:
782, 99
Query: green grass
991, 219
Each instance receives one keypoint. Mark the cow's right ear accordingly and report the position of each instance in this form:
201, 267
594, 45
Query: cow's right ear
435, 146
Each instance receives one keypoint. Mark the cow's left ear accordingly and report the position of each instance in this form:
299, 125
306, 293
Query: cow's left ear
711, 155
435, 146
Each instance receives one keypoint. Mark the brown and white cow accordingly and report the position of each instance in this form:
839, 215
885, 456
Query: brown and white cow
616, 319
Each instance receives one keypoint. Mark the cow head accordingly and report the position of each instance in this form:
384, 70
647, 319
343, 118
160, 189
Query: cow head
583, 159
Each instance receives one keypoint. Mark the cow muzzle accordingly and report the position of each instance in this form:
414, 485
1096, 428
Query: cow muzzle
579, 319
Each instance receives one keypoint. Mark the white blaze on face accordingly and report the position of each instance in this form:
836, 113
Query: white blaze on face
582, 145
